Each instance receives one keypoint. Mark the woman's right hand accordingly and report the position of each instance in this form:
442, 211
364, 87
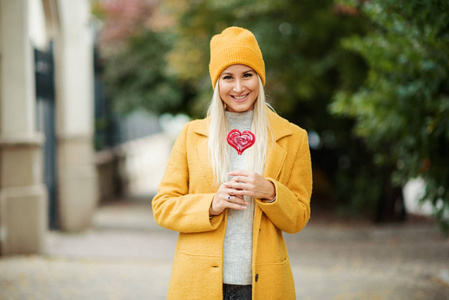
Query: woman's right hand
225, 198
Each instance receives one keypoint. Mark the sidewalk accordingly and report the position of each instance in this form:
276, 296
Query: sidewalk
127, 256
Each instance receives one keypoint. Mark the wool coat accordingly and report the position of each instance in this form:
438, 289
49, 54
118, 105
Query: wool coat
185, 195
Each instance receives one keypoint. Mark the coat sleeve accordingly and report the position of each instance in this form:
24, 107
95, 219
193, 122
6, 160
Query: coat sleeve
291, 210
173, 207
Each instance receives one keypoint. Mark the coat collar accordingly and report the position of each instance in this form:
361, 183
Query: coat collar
280, 126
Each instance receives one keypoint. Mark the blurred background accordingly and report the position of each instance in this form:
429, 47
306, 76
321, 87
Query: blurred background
368, 81
93, 94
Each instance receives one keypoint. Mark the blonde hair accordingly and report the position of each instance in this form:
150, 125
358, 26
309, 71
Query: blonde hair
254, 157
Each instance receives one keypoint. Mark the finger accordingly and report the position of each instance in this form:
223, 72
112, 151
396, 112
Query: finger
242, 193
229, 190
236, 186
239, 179
239, 173
236, 199
236, 206
240, 197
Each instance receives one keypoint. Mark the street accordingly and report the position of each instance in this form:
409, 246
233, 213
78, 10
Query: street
126, 255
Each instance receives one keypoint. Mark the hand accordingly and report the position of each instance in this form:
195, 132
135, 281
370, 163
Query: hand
226, 198
251, 184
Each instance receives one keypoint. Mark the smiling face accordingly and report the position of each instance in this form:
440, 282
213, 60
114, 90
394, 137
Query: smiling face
239, 88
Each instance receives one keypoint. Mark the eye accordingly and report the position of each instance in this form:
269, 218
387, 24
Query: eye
227, 77
247, 75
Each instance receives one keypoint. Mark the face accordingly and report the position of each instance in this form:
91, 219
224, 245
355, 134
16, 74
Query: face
239, 88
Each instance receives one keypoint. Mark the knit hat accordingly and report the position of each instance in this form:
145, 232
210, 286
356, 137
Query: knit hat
233, 46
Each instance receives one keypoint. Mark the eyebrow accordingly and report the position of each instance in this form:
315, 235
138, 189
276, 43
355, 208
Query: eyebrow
247, 71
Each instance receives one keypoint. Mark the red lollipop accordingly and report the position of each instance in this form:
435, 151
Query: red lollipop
240, 140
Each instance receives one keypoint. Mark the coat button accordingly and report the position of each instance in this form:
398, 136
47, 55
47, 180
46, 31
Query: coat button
257, 277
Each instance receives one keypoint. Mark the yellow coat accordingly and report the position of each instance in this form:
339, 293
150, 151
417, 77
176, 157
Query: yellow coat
185, 195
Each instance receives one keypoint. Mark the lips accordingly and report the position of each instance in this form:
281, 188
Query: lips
240, 98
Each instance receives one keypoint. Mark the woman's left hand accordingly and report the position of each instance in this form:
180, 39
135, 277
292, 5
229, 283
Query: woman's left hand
251, 184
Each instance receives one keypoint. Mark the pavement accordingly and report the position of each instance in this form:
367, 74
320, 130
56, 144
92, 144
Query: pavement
126, 255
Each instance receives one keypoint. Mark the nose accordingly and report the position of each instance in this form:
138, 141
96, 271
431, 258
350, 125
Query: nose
238, 86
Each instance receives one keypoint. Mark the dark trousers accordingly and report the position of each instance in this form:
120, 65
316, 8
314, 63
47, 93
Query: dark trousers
237, 292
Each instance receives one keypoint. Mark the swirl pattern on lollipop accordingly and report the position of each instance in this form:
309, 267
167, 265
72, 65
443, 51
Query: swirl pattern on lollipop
240, 141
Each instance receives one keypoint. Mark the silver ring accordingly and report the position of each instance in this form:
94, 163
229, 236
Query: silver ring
229, 197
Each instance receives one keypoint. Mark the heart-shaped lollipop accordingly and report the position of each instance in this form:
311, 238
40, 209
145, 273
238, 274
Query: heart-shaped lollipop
240, 140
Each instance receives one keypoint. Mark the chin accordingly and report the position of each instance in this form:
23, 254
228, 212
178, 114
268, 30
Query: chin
240, 107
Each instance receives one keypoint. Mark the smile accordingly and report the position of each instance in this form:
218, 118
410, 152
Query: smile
240, 98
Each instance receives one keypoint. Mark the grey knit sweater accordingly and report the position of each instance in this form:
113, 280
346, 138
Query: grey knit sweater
238, 245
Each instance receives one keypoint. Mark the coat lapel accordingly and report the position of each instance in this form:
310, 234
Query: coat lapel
203, 153
274, 161
275, 153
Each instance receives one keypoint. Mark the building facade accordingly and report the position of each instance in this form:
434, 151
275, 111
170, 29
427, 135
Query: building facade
48, 176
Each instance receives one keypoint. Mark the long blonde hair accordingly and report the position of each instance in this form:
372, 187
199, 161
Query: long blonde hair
254, 157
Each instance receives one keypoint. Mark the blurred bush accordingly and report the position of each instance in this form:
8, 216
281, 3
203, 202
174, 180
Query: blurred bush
402, 108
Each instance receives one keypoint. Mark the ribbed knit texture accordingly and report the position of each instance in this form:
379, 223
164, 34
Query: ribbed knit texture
237, 253
234, 46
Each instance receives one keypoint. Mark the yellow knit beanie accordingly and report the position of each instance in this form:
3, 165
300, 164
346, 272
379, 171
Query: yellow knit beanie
233, 46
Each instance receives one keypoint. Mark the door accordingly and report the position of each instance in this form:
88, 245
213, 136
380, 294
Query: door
45, 116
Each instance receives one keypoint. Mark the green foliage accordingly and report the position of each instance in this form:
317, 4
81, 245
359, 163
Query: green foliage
139, 77
402, 109
134, 63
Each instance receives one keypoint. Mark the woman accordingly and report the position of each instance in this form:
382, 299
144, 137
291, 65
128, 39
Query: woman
230, 211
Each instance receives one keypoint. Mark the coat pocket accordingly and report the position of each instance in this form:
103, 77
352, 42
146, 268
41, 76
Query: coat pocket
274, 281
195, 277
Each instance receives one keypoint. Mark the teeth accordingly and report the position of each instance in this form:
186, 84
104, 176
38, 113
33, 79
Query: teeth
239, 98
